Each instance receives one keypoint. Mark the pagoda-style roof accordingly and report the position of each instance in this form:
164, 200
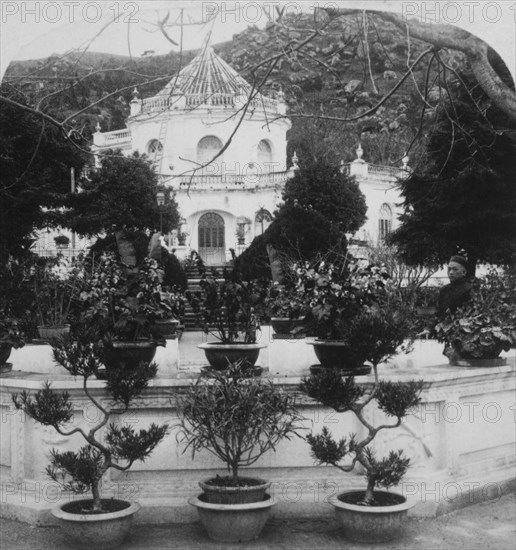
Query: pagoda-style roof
207, 74
208, 81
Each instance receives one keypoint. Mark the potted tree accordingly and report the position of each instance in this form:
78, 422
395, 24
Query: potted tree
367, 515
96, 522
238, 419
229, 310
476, 334
10, 337
337, 295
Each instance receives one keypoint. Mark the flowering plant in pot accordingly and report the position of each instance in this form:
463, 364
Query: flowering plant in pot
56, 284
230, 310
123, 302
96, 522
478, 332
285, 307
337, 296
367, 515
238, 419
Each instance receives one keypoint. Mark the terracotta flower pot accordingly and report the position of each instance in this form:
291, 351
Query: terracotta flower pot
95, 531
371, 523
233, 523
251, 490
220, 355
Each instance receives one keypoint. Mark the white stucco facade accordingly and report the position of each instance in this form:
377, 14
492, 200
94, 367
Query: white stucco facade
227, 199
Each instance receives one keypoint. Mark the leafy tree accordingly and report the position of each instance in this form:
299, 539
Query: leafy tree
464, 196
334, 195
121, 195
320, 206
35, 162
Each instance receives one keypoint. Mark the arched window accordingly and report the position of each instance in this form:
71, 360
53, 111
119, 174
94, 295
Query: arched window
262, 220
264, 156
207, 148
154, 147
384, 222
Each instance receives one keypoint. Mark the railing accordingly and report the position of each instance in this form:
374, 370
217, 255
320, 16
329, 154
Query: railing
163, 103
112, 138
375, 171
382, 171
248, 180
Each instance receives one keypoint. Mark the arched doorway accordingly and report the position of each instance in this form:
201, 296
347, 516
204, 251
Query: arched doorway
212, 246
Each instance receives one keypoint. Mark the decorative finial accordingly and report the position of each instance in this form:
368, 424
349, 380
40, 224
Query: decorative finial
405, 161
97, 127
135, 94
359, 151
295, 161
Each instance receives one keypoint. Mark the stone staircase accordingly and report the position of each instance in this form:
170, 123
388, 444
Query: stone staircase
194, 275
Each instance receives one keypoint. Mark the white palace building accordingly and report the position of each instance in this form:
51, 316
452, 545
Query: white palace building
207, 109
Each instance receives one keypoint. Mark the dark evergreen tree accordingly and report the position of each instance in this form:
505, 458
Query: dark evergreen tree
35, 162
464, 196
121, 195
321, 205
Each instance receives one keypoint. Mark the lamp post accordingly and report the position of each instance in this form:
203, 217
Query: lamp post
160, 199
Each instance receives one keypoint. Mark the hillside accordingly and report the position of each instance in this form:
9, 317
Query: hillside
337, 74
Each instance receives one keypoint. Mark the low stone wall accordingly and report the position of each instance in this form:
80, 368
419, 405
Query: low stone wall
461, 439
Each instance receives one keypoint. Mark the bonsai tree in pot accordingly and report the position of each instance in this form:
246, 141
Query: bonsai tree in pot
478, 332
238, 419
230, 310
367, 515
83, 521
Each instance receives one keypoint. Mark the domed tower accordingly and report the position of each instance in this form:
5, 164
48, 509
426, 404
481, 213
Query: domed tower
220, 145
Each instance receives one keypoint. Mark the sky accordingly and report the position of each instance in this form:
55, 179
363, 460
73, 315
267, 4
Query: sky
36, 29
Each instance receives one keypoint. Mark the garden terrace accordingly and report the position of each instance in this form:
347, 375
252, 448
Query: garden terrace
452, 466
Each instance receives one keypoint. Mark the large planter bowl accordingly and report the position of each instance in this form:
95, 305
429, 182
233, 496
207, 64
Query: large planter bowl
49, 332
334, 354
233, 522
220, 355
166, 327
95, 531
371, 523
119, 353
491, 358
224, 494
